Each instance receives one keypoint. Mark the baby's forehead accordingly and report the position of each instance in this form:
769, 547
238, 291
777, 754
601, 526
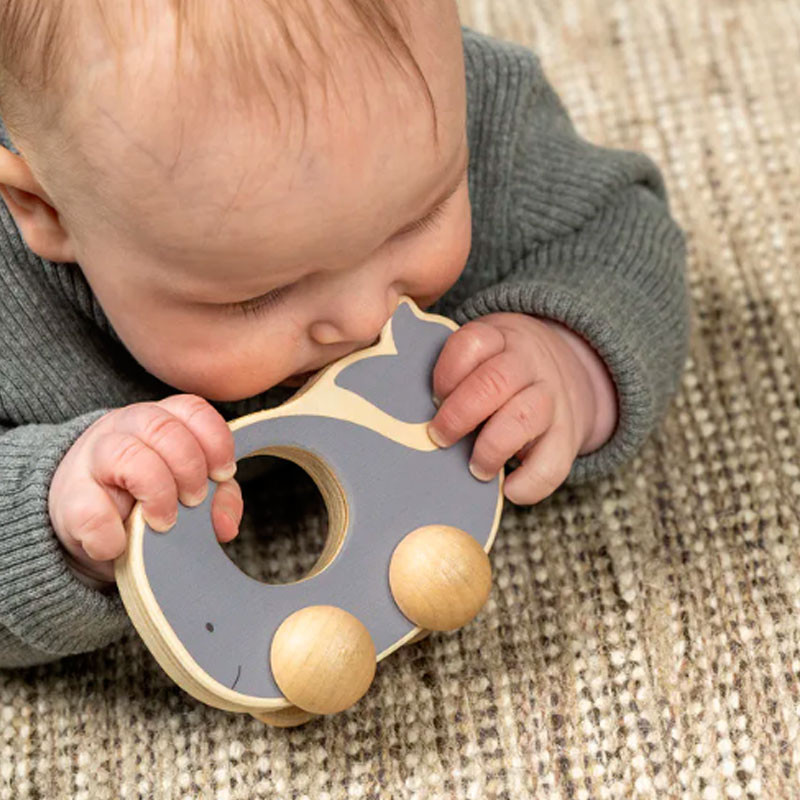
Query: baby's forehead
193, 142
192, 182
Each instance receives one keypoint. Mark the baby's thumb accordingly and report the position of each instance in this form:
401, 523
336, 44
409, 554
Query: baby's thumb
124, 501
90, 517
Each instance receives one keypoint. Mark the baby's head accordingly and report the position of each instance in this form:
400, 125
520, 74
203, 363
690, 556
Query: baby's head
191, 156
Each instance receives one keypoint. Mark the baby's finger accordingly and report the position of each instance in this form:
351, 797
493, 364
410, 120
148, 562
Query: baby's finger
525, 417
91, 522
123, 460
479, 395
226, 510
166, 434
463, 351
210, 430
545, 468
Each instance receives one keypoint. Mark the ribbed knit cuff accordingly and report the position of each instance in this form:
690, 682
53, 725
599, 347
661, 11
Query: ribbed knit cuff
41, 602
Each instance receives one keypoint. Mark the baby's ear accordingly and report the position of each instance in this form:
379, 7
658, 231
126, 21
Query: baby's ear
29, 204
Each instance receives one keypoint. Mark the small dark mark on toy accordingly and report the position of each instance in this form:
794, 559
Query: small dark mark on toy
238, 673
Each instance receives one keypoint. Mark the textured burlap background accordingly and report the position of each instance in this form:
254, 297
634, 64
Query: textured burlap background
641, 638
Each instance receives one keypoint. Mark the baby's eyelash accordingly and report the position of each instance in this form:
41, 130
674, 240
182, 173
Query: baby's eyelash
258, 305
428, 222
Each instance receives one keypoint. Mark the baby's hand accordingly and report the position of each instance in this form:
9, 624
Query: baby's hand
544, 392
153, 452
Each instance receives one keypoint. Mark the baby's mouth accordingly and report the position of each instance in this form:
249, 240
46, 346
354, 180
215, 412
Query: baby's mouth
298, 378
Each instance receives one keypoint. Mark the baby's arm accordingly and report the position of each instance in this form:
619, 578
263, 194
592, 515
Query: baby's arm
595, 250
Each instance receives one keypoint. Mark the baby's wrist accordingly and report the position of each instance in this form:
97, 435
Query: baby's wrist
601, 406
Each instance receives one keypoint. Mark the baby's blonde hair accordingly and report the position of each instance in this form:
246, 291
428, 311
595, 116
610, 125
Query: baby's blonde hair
38, 45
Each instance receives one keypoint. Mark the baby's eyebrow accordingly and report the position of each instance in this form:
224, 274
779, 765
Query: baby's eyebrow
440, 201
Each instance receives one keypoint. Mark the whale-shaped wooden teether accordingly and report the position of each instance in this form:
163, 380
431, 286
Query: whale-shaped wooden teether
409, 528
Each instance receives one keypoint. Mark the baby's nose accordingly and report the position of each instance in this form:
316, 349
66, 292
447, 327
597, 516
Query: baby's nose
358, 322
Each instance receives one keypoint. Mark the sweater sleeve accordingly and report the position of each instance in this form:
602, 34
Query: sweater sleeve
46, 613
601, 254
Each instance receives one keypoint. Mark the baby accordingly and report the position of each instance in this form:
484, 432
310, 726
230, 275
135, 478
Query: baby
206, 203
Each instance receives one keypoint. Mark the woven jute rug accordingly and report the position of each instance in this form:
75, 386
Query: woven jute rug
641, 639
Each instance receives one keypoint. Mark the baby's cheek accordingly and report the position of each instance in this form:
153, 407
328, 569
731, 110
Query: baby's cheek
465, 239
462, 224
456, 249
457, 255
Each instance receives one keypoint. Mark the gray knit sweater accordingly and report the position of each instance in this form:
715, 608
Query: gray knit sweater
561, 229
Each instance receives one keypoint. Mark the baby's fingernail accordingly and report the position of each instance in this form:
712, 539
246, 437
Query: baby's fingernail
195, 499
436, 437
162, 526
511, 495
437, 401
480, 474
225, 473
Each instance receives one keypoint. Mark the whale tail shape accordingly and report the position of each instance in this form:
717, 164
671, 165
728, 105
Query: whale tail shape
401, 384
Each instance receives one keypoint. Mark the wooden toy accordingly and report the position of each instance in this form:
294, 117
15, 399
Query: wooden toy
409, 529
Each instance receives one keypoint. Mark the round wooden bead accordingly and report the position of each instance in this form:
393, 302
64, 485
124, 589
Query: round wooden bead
440, 577
323, 659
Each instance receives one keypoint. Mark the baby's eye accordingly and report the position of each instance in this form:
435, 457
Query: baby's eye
257, 305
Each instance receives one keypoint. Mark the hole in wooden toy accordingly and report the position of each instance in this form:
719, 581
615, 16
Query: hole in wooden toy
295, 516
